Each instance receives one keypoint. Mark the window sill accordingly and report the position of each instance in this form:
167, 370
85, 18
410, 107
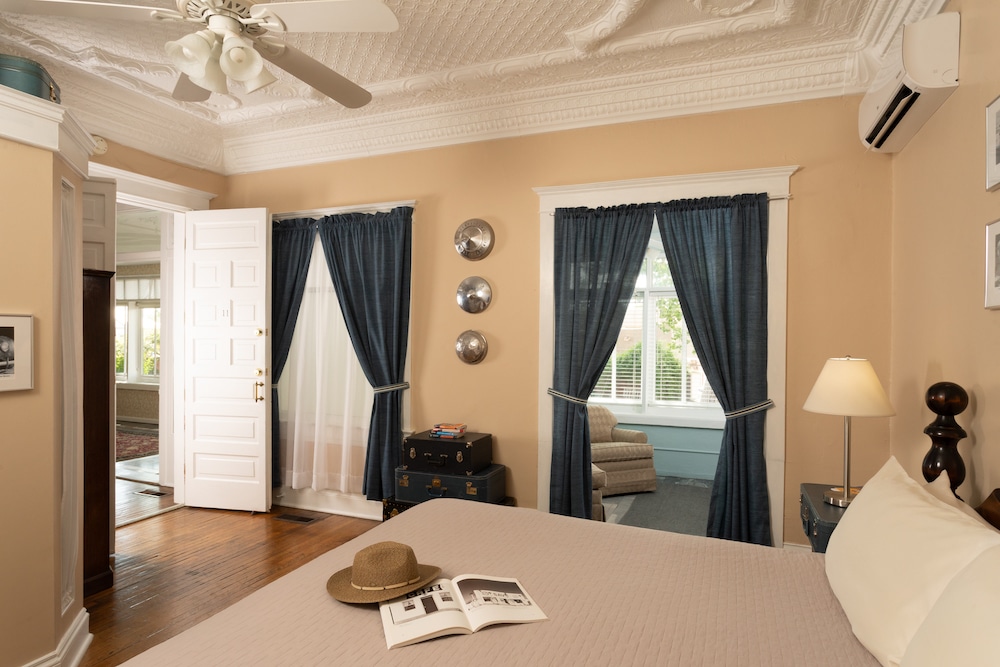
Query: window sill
678, 418
140, 386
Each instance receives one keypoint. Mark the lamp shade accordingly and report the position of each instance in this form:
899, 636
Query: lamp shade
191, 53
850, 388
239, 60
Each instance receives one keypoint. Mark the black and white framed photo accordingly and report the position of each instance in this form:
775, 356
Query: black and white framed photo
993, 264
993, 144
15, 369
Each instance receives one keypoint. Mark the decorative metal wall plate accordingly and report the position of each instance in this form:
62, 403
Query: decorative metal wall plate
474, 239
471, 347
474, 294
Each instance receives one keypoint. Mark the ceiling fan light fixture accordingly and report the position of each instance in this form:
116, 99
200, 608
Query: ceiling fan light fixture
191, 53
239, 60
214, 79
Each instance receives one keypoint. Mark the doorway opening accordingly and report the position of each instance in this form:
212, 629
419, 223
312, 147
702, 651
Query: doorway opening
138, 489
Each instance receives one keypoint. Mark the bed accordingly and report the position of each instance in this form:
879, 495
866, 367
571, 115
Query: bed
621, 595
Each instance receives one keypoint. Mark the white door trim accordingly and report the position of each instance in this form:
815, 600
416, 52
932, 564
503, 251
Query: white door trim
775, 182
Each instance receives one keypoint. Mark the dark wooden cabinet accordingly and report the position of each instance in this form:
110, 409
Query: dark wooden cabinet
98, 429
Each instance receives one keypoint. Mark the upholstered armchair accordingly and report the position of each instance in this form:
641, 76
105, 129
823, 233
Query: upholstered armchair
623, 454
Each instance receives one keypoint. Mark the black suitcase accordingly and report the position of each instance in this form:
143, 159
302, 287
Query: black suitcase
465, 455
488, 486
28, 77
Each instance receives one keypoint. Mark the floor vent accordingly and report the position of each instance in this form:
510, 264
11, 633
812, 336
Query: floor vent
294, 518
151, 492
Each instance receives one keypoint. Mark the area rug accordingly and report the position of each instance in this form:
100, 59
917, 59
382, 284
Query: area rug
133, 445
678, 505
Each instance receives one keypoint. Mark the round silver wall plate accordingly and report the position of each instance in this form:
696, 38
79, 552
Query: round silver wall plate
474, 239
474, 294
471, 347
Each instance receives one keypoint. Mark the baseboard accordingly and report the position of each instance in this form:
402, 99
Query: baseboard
331, 502
796, 547
72, 647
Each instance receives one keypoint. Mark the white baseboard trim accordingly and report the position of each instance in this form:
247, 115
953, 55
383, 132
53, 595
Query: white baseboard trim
797, 547
331, 502
72, 646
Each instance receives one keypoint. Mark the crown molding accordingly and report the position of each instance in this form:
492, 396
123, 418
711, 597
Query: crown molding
809, 74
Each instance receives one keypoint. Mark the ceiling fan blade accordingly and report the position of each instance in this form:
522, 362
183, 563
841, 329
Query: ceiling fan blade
187, 90
315, 73
85, 10
330, 15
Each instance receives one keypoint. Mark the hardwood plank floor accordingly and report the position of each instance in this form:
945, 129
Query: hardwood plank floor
176, 569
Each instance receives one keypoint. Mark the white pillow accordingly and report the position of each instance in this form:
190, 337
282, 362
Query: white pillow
940, 488
892, 553
960, 629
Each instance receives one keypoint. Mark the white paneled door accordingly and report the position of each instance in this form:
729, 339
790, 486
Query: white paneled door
227, 387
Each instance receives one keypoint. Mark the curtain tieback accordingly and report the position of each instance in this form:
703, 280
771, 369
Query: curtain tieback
750, 409
567, 397
391, 387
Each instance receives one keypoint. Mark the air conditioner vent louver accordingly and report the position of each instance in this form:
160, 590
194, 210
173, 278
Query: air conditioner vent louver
894, 113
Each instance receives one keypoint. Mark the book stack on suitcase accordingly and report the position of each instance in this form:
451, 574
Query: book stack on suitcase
458, 466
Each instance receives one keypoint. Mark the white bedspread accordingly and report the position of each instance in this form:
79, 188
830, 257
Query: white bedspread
614, 595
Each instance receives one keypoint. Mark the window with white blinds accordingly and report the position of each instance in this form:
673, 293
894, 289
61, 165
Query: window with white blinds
654, 372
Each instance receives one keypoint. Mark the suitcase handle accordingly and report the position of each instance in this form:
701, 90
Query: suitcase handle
440, 491
442, 460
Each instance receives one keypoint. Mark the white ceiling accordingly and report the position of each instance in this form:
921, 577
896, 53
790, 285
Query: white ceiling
465, 70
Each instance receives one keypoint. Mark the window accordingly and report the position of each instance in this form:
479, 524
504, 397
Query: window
137, 330
654, 375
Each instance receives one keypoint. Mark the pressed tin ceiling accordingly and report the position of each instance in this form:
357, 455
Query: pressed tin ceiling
466, 70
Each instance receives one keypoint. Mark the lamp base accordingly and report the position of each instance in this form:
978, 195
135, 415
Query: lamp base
835, 496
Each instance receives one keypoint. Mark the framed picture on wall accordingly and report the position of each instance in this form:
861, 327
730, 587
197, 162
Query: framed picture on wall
993, 144
15, 372
993, 264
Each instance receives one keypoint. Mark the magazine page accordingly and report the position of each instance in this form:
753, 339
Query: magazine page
490, 600
432, 611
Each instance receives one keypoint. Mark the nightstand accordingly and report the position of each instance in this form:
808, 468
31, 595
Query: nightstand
819, 518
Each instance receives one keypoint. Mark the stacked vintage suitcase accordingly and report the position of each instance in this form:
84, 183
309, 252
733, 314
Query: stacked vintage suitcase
460, 466
28, 77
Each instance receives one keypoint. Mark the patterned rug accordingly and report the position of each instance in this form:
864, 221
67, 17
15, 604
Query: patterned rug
131, 444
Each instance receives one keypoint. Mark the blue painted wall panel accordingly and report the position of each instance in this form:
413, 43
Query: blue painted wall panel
683, 452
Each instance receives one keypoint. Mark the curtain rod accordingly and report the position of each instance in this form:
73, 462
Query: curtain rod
769, 198
336, 210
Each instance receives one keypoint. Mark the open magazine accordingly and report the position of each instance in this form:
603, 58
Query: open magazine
458, 606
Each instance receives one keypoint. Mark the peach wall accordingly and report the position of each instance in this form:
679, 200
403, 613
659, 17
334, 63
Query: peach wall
29, 465
838, 274
941, 331
138, 162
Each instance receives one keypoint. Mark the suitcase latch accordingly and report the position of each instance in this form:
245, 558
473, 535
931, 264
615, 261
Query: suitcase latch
459, 457
404, 480
413, 452
471, 490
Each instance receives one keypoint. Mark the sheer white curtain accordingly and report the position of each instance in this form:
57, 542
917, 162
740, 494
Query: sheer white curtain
324, 398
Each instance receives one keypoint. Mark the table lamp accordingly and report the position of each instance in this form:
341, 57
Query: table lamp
848, 387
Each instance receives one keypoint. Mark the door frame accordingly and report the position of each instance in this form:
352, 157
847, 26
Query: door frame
140, 190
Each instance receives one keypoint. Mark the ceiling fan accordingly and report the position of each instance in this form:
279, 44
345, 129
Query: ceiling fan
236, 37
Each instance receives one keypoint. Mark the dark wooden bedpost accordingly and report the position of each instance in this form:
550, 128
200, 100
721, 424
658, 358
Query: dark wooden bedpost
945, 399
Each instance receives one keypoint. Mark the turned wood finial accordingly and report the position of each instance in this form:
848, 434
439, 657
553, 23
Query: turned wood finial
945, 399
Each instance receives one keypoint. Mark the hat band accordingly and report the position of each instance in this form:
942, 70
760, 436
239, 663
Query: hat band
386, 588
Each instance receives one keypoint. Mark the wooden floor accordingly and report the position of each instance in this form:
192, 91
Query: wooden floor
176, 569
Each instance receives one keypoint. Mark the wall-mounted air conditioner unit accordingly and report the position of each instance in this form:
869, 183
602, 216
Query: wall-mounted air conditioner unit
920, 73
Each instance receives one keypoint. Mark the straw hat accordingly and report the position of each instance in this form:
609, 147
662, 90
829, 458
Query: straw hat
382, 571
